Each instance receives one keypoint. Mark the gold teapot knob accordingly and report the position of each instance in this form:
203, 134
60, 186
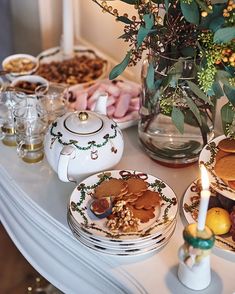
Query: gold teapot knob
83, 115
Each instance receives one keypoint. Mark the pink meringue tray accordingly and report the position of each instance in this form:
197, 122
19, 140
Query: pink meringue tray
123, 99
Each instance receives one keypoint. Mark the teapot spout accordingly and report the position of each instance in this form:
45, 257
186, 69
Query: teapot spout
101, 104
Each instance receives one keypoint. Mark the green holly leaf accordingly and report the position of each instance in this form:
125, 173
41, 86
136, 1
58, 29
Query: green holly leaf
200, 94
177, 118
224, 35
190, 11
118, 69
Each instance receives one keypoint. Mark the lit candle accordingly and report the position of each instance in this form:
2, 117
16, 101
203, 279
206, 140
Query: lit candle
68, 31
205, 197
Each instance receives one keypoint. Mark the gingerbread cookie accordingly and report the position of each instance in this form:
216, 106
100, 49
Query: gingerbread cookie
148, 200
142, 214
111, 188
220, 154
224, 168
227, 145
136, 186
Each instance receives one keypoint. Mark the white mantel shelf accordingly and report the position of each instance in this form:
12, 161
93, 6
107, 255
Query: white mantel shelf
33, 207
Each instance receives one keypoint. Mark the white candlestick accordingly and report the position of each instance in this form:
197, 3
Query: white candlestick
68, 31
204, 201
205, 196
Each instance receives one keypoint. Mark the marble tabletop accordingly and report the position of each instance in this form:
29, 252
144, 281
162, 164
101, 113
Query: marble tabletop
33, 209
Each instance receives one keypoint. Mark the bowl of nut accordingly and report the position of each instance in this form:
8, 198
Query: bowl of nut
28, 83
19, 64
84, 66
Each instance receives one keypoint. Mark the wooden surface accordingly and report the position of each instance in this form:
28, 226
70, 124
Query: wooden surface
16, 274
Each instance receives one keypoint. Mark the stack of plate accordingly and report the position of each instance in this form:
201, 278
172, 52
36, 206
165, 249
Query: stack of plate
93, 232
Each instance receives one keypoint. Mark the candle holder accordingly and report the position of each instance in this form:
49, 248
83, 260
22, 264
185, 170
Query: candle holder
194, 269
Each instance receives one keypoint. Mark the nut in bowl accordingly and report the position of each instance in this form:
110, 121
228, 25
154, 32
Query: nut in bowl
19, 64
29, 83
219, 158
83, 67
123, 99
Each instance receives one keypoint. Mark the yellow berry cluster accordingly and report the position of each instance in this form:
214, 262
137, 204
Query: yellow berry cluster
228, 56
229, 10
205, 13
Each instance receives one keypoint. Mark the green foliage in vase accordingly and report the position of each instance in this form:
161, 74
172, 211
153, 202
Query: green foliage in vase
182, 30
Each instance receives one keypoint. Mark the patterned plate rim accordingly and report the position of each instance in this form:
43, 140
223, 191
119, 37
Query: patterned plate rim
207, 157
80, 197
220, 242
115, 245
132, 252
87, 234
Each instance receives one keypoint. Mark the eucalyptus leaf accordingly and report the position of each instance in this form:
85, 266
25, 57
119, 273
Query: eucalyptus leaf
142, 34
216, 24
224, 35
149, 21
177, 118
188, 51
118, 69
166, 5
216, 13
230, 93
203, 5
189, 118
190, 11
193, 107
157, 1
204, 128
150, 77
132, 2
227, 115
200, 94
124, 19
223, 77
217, 90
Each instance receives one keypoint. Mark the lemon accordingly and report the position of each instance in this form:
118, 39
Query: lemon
218, 220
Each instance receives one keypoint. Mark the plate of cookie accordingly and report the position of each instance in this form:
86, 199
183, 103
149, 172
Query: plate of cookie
191, 201
122, 210
218, 156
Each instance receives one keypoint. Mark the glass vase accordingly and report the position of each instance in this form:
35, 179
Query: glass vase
174, 140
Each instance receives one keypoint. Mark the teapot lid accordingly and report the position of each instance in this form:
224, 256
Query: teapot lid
83, 123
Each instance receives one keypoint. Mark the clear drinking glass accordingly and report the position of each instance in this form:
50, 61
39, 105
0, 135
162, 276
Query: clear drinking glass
30, 127
8, 100
53, 100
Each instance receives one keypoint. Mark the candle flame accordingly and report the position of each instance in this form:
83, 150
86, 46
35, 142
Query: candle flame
204, 178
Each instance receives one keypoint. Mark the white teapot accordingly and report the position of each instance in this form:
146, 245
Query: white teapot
81, 143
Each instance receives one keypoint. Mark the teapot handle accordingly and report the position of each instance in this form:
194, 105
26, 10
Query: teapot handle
67, 153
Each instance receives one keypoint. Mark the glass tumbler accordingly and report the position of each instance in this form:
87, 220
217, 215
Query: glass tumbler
53, 100
8, 100
30, 127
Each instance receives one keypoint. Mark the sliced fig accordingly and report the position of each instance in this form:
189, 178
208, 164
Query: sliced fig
101, 207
